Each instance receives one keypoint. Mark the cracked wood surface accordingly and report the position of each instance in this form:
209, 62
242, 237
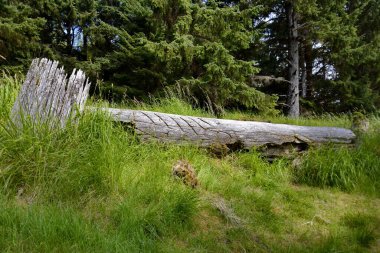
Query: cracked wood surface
207, 131
48, 96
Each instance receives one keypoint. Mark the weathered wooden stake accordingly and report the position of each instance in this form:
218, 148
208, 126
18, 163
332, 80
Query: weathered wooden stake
47, 96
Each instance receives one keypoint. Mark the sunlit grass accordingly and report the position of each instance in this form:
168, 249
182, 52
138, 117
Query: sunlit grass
9, 86
94, 187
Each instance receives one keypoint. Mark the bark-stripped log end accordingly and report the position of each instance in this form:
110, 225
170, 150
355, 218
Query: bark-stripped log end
48, 96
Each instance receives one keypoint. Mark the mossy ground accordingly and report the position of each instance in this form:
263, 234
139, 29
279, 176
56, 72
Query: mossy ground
95, 187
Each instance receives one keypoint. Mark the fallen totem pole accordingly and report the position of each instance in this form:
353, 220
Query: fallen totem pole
208, 131
47, 95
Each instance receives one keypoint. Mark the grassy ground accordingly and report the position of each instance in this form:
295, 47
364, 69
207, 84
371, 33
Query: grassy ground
95, 188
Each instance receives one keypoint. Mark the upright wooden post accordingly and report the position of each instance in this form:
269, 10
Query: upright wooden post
47, 96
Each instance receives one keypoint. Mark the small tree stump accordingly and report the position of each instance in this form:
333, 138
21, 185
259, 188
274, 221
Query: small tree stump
47, 96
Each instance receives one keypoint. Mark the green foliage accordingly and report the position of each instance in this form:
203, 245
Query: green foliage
9, 87
337, 46
345, 168
212, 48
364, 226
51, 228
71, 167
95, 187
20, 38
199, 56
169, 105
345, 46
143, 46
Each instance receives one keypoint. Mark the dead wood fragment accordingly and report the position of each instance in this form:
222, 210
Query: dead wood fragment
48, 96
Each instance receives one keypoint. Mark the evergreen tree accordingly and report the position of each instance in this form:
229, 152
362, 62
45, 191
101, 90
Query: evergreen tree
197, 47
209, 48
20, 38
343, 55
336, 51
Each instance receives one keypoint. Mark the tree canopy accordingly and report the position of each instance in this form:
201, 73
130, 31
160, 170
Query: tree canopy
210, 49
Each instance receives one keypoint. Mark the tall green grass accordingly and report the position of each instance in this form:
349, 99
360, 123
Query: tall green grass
95, 159
94, 187
332, 120
363, 225
9, 86
347, 168
169, 105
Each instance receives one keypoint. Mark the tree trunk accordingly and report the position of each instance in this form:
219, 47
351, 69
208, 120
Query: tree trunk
302, 48
303, 75
69, 40
293, 95
209, 131
85, 46
308, 47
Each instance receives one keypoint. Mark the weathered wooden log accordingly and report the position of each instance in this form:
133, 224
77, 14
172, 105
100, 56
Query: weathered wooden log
208, 131
47, 96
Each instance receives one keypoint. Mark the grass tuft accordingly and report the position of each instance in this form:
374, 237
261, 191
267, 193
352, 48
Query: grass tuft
363, 226
347, 168
9, 87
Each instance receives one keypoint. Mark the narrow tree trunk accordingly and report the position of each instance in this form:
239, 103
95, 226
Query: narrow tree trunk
85, 45
304, 83
293, 95
69, 40
308, 47
303, 73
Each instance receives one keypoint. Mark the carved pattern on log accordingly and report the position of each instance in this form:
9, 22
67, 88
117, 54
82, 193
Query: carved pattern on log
48, 96
207, 131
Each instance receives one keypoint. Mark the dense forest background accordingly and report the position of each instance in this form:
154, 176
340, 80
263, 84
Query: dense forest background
224, 54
